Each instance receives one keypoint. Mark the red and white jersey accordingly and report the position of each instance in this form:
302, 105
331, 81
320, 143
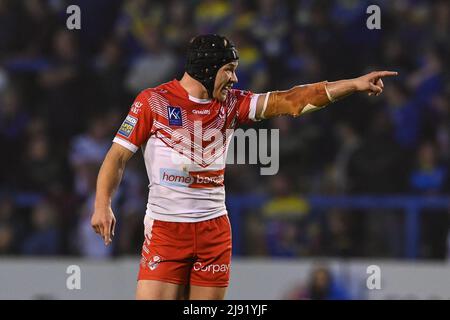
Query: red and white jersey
184, 154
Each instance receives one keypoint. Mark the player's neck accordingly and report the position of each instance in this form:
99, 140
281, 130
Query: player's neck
193, 87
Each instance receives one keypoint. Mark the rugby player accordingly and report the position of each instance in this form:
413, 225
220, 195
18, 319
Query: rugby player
187, 248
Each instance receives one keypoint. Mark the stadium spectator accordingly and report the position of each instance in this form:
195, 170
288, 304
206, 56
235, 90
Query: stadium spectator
87, 150
210, 15
11, 230
110, 68
154, 66
178, 28
371, 173
349, 143
14, 119
338, 242
321, 285
289, 232
62, 87
6, 239
429, 176
56, 82
44, 238
41, 167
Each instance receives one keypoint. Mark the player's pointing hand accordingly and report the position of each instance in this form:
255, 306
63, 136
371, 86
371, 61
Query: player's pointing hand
372, 83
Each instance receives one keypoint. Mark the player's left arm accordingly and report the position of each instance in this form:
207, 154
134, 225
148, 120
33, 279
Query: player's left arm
311, 97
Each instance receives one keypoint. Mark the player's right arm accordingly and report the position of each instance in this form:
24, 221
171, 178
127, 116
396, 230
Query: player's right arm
134, 132
109, 177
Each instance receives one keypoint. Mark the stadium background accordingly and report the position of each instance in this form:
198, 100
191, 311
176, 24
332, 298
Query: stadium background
64, 93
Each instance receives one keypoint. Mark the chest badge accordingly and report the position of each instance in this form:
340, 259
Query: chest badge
174, 116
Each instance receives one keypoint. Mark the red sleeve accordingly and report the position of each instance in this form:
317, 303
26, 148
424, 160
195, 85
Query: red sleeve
245, 106
136, 128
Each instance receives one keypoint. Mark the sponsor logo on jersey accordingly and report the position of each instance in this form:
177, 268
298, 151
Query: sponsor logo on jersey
214, 268
201, 112
207, 180
136, 107
154, 262
174, 116
200, 179
127, 126
172, 177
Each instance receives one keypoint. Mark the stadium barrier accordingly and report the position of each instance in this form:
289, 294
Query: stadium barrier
413, 206
259, 279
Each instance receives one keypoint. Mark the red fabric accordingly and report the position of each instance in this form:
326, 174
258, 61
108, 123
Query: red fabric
188, 253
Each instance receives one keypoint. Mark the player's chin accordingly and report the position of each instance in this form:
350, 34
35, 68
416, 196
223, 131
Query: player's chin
221, 95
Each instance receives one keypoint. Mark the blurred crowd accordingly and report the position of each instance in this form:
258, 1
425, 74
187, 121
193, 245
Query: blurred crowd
64, 93
321, 284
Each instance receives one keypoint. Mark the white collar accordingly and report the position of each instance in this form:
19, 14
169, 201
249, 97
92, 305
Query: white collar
197, 100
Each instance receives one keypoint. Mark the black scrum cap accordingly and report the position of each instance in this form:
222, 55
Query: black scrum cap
206, 54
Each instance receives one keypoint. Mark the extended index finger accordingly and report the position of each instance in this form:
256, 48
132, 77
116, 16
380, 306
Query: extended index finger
386, 73
107, 233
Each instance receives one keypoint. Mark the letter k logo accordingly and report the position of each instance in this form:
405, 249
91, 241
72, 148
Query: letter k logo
174, 114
